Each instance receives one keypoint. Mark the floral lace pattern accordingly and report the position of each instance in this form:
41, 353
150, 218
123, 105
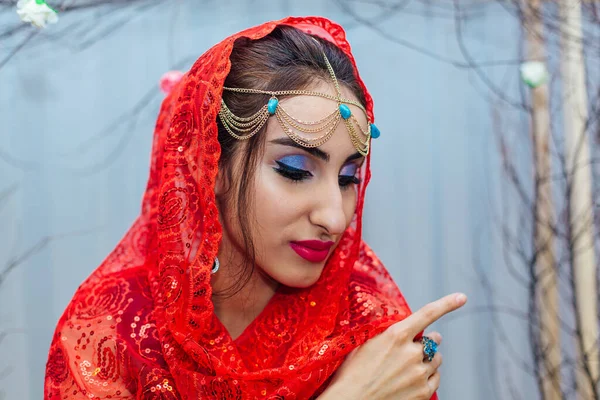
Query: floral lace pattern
142, 325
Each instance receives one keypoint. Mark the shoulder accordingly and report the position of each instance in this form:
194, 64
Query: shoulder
108, 318
105, 295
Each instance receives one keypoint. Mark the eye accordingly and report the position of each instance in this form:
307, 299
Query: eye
345, 181
292, 173
347, 176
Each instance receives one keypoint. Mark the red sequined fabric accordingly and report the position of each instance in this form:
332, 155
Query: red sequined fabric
142, 325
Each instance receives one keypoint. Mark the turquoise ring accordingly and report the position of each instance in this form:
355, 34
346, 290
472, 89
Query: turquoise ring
429, 347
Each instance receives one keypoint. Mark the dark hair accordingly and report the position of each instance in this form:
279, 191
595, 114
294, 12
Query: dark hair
286, 59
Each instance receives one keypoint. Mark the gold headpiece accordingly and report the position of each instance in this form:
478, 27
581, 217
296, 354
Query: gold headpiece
243, 128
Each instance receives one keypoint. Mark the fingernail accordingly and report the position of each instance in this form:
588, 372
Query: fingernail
461, 299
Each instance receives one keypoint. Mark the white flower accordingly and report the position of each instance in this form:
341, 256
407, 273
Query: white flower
37, 12
534, 73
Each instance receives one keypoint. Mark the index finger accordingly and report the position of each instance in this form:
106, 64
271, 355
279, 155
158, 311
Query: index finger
428, 314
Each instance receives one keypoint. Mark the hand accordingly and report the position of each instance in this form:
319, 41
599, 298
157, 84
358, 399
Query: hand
391, 365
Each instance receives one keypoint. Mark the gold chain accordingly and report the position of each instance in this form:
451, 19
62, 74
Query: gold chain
243, 128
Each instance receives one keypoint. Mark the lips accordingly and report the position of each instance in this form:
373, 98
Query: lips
312, 250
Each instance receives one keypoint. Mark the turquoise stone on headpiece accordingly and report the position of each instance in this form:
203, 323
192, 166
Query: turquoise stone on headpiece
308, 134
272, 105
375, 132
345, 111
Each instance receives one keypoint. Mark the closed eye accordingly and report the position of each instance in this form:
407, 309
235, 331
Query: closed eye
345, 180
289, 172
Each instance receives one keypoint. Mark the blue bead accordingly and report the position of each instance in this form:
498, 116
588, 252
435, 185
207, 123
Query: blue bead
272, 105
375, 133
345, 111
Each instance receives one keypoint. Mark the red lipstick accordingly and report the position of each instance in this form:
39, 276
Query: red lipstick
312, 250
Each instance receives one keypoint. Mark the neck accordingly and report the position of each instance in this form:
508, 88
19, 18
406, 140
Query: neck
237, 311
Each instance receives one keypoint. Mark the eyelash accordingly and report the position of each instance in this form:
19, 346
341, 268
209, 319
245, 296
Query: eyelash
346, 181
298, 175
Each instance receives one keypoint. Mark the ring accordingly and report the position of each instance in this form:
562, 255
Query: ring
429, 347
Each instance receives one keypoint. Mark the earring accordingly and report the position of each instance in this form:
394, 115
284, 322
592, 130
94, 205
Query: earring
215, 267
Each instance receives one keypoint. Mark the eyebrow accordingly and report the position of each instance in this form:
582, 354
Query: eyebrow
286, 141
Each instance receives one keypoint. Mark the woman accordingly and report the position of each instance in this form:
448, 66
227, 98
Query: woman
245, 275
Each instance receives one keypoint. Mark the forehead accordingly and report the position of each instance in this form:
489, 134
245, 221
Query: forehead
306, 105
308, 109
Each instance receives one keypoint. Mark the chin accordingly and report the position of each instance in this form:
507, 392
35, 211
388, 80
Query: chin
303, 278
304, 284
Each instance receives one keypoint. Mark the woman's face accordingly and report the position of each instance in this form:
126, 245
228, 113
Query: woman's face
304, 199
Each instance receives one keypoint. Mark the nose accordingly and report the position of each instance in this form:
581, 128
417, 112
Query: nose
328, 208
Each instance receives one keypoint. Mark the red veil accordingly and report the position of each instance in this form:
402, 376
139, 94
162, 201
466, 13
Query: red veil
142, 325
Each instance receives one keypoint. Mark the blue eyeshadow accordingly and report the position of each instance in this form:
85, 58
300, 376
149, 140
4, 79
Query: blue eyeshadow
349, 170
295, 161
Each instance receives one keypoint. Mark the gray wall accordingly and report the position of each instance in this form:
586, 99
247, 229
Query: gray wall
432, 207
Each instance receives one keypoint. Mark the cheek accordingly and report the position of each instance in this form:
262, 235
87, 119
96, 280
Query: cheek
349, 204
277, 204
